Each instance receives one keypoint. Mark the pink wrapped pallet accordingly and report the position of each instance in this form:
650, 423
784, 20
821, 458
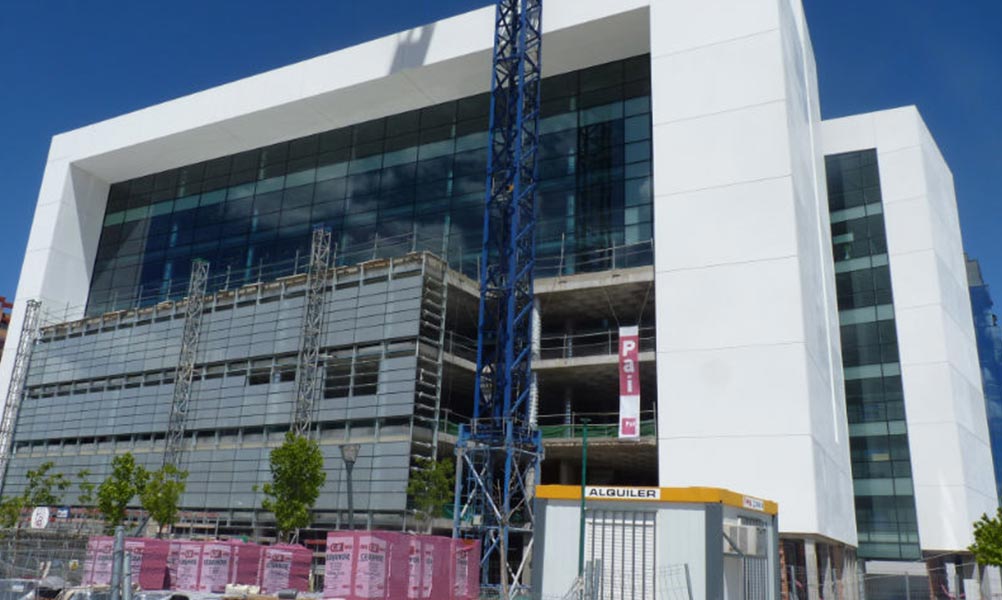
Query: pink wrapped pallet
366, 565
97, 565
465, 569
215, 566
394, 570
149, 562
209, 566
284, 567
245, 563
432, 582
339, 564
147, 556
379, 565
184, 562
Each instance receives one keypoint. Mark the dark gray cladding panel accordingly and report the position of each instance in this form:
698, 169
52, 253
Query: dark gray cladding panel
223, 470
114, 383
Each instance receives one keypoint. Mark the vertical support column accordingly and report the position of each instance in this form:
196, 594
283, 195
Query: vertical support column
811, 565
537, 331
569, 411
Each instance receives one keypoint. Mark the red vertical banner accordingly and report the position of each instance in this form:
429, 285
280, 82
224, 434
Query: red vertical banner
629, 382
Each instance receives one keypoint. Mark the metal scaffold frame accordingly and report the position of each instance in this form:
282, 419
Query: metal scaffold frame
500, 451
309, 370
184, 375
18, 377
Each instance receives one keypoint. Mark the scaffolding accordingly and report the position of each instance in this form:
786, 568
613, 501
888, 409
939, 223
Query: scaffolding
309, 370
186, 363
29, 331
381, 387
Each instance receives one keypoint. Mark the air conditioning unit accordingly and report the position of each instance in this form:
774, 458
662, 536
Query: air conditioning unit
748, 540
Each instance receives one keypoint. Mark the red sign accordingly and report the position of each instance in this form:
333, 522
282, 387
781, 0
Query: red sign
629, 382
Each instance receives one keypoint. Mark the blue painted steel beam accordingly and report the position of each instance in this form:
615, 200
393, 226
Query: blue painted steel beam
500, 451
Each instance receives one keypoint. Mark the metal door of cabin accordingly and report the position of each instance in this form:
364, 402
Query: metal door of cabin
620, 544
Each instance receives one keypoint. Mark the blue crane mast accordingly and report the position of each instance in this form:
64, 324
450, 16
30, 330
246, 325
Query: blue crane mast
499, 451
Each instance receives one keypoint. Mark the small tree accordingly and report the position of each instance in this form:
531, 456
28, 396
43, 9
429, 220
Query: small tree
297, 474
987, 546
45, 488
431, 487
10, 511
86, 488
126, 481
162, 494
85, 495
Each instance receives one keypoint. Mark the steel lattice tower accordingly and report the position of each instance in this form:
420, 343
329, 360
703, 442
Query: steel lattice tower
309, 371
499, 453
18, 377
194, 307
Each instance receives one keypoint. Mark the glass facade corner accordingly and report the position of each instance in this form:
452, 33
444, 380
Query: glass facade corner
881, 463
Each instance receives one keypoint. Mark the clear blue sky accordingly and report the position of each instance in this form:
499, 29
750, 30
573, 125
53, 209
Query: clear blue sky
68, 63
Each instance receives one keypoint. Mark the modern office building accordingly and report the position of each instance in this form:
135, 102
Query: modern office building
682, 191
921, 457
989, 336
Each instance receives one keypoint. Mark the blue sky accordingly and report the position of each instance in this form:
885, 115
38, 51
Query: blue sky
67, 63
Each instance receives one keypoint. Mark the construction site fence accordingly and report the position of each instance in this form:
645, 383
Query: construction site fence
924, 581
671, 582
34, 554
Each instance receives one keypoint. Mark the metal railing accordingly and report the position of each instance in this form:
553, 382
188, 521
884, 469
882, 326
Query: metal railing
590, 343
601, 342
567, 426
565, 262
600, 424
591, 260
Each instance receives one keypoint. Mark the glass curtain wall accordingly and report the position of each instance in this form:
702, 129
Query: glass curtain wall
412, 181
881, 464
989, 338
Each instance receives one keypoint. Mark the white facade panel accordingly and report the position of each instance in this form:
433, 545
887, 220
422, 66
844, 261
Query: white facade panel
741, 212
749, 375
944, 402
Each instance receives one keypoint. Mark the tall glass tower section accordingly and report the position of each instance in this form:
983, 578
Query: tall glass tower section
881, 464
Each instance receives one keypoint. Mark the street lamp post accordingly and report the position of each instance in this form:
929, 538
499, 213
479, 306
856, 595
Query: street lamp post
349, 453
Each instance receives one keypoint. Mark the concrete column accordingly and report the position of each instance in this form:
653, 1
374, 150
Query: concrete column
537, 328
569, 339
811, 564
568, 406
566, 473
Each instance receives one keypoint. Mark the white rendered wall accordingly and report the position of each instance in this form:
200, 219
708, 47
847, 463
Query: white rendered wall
944, 402
427, 65
749, 369
681, 540
560, 548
